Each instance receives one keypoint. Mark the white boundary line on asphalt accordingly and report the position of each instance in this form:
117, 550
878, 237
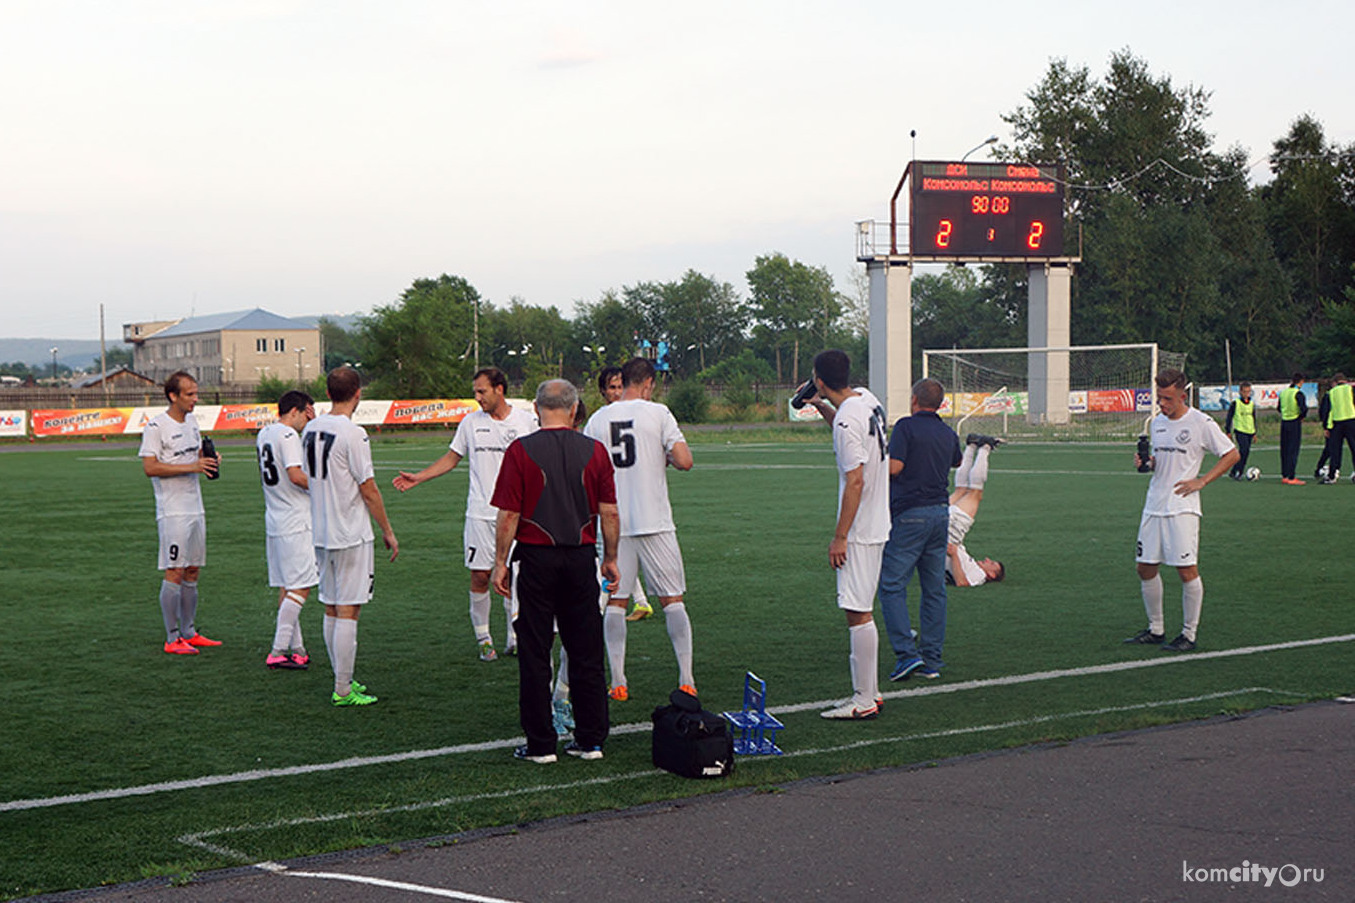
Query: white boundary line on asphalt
490, 745
199, 840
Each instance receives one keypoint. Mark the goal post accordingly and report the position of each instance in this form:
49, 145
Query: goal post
1020, 391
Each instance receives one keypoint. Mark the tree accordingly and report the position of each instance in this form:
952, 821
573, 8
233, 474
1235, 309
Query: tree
794, 307
1310, 216
1163, 217
419, 347
529, 344
116, 357
699, 317
341, 346
609, 327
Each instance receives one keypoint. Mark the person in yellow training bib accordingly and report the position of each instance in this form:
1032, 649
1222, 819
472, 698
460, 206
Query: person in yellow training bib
1342, 423
1240, 426
1293, 408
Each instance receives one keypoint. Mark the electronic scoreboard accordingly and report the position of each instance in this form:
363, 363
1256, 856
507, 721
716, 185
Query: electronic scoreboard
985, 210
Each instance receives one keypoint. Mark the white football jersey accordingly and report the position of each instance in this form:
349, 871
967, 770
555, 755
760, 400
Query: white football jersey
860, 440
287, 507
972, 572
481, 440
338, 459
639, 435
171, 442
1178, 447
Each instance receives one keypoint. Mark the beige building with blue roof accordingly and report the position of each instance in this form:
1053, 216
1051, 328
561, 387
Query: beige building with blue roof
238, 348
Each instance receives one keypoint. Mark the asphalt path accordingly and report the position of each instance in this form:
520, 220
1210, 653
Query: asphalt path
1232, 808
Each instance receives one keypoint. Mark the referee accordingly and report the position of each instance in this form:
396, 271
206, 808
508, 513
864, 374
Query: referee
552, 485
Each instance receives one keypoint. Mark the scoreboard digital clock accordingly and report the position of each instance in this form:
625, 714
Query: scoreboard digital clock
985, 210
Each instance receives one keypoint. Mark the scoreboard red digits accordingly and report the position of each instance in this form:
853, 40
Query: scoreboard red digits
985, 210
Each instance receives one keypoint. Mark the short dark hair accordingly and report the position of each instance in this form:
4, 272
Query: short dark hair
1296, 378
636, 370
342, 384
1171, 378
1339, 377
1244, 385
929, 393
293, 400
174, 383
1001, 572
834, 368
605, 376
495, 376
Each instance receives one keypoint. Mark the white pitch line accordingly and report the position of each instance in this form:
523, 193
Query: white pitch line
399, 885
199, 841
490, 745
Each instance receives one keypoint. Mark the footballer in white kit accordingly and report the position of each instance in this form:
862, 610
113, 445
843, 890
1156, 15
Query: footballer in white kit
171, 455
860, 447
481, 439
962, 568
643, 439
287, 525
344, 501
1169, 531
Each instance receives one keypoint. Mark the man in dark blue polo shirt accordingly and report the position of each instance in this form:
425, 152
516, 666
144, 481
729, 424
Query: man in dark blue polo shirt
922, 451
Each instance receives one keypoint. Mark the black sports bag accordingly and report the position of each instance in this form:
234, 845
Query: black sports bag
690, 741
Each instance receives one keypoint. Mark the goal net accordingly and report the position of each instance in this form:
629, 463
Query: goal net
1077, 392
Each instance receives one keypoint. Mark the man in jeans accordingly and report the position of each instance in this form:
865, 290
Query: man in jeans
922, 451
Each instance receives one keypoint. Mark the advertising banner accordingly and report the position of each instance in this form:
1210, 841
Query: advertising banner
80, 421
1266, 395
13, 423
1111, 401
430, 410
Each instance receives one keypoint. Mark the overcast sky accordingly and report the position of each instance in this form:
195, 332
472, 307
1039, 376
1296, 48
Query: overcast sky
171, 157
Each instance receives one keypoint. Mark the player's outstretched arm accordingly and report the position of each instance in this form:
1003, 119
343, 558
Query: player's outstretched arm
376, 507
405, 481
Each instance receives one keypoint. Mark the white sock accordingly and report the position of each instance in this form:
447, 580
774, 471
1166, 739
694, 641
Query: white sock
479, 617
680, 632
169, 609
328, 632
1152, 602
345, 654
865, 663
1192, 601
978, 473
614, 631
966, 465
638, 595
289, 614
562, 675
510, 611
188, 609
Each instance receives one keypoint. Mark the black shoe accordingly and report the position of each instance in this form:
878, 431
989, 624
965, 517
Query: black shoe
974, 439
1146, 637
1180, 644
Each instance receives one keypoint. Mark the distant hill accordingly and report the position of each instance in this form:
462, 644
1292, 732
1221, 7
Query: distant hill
79, 353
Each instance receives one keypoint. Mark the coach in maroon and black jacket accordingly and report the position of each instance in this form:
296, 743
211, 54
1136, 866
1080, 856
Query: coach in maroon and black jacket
551, 487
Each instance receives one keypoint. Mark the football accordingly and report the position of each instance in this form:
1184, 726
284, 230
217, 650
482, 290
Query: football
1253, 474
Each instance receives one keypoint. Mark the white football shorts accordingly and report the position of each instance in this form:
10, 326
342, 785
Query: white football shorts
477, 539
859, 576
1172, 540
346, 575
660, 557
291, 561
183, 541
960, 522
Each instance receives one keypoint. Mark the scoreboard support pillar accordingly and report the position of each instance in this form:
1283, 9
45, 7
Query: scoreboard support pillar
1050, 300
891, 334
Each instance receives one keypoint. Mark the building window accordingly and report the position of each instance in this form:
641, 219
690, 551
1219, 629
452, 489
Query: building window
261, 345
279, 344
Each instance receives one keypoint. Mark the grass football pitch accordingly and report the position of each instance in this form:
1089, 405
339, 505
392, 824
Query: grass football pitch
120, 762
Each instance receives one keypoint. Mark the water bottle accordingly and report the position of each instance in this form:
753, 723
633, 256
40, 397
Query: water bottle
209, 451
1145, 452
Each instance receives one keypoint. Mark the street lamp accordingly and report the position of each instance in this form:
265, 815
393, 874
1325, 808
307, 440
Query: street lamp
991, 139
54, 365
